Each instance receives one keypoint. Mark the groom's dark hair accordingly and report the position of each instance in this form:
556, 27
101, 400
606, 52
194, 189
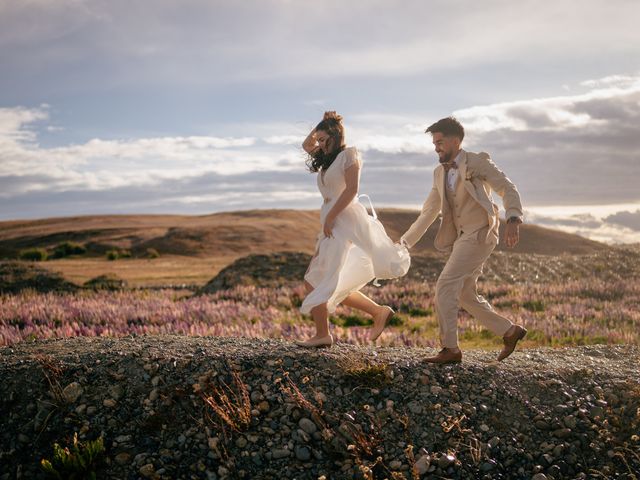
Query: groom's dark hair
449, 127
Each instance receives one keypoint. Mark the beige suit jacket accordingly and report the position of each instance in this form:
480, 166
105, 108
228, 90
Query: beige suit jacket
480, 176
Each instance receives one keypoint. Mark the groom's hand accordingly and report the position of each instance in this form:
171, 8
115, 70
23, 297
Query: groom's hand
512, 234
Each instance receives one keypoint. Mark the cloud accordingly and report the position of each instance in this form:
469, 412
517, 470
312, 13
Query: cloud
197, 41
627, 219
575, 149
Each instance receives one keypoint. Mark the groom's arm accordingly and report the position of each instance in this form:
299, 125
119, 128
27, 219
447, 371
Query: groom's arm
429, 213
498, 181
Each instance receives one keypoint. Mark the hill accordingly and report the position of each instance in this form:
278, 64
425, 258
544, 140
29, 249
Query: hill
231, 233
175, 407
195, 248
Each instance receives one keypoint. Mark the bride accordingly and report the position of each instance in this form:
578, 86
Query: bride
353, 247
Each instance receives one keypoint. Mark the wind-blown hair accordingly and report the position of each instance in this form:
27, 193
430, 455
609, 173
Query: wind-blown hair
318, 160
449, 127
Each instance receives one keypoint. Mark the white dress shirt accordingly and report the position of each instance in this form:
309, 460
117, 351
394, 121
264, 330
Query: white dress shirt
452, 174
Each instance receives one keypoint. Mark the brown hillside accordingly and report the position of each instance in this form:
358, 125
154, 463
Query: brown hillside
229, 233
193, 249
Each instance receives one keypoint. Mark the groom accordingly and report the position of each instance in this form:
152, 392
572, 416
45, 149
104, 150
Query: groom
462, 186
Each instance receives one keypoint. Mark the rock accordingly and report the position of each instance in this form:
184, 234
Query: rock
562, 432
539, 476
22, 438
241, 442
488, 466
109, 403
72, 392
116, 391
422, 464
570, 421
302, 453
280, 453
147, 470
395, 465
542, 425
123, 458
153, 396
435, 389
445, 460
307, 425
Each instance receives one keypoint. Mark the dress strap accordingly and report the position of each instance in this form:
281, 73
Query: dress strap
375, 216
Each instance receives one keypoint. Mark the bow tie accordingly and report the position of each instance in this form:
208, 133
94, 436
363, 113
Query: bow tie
450, 165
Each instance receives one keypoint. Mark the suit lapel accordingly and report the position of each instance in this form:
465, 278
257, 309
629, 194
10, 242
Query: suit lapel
442, 185
462, 172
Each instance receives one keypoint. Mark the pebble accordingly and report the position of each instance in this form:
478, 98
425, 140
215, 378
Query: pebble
280, 453
445, 460
303, 453
422, 464
72, 392
153, 396
109, 403
562, 432
307, 425
147, 470
123, 458
539, 476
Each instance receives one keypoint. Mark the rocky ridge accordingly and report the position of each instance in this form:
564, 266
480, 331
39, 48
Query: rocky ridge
225, 408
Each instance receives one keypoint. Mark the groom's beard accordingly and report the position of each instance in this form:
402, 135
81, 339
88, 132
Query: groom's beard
446, 158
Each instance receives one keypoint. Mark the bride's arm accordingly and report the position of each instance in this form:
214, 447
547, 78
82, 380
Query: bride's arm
352, 180
310, 144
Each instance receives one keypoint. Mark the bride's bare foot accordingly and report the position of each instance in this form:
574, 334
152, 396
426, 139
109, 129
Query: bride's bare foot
380, 322
316, 342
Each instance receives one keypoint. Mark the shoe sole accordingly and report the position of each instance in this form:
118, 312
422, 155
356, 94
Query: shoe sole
523, 333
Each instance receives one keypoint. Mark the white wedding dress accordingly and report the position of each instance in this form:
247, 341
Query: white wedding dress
360, 249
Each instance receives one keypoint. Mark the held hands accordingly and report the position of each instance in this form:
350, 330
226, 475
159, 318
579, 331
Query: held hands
512, 234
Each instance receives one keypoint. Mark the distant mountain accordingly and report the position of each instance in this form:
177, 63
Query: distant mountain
234, 234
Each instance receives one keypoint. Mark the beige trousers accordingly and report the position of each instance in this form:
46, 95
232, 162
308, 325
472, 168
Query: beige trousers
456, 287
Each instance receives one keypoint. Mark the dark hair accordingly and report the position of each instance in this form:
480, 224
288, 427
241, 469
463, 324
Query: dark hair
449, 127
318, 160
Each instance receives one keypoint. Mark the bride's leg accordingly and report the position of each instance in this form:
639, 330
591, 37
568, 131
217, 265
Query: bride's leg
361, 302
380, 313
321, 317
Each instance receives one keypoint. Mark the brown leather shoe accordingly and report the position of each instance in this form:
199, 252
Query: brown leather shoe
446, 355
511, 340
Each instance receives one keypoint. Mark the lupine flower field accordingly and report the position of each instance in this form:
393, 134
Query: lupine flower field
585, 311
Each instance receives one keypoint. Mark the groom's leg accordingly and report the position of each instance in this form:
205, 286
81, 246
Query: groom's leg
480, 309
466, 258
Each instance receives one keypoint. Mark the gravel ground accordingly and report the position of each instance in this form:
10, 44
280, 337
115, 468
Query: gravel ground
159, 404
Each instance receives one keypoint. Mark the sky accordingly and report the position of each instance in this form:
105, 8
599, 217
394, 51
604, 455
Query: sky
196, 106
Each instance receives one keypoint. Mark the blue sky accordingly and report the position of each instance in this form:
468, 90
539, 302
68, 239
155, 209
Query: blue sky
200, 106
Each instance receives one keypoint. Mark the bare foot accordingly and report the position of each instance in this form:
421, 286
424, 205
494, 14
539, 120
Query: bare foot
380, 322
316, 342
